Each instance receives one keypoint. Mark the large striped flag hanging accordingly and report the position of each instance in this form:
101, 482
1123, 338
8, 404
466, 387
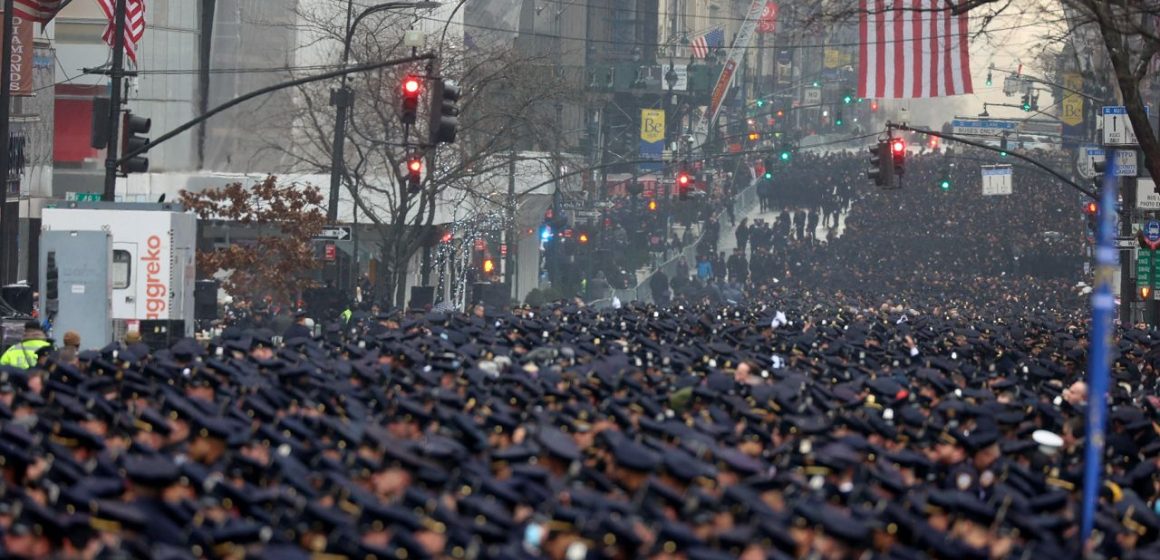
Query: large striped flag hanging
134, 24
40, 11
912, 49
706, 42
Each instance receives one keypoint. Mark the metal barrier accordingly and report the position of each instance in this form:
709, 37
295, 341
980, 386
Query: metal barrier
742, 203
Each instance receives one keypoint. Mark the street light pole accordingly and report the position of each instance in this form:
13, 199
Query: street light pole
343, 97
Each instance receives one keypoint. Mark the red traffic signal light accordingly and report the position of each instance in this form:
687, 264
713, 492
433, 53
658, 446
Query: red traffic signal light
898, 146
411, 89
414, 173
1091, 208
411, 86
873, 105
683, 179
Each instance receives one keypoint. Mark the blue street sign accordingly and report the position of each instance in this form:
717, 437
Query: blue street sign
1152, 231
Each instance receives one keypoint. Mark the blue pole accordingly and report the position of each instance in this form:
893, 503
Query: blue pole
1103, 310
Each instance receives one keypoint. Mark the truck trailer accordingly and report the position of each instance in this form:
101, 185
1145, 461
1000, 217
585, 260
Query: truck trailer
108, 268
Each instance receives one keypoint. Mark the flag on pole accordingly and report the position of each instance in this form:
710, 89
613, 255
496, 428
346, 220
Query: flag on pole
134, 24
912, 49
714, 39
40, 11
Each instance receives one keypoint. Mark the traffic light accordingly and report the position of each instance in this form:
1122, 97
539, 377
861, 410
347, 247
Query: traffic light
488, 266
873, 105
784, 154
780, 113
754, 136
134, 127
898, 155
933, 142
444, 113
1145, 293
414, 173
838, 120
1091, 208
881, 164
684, 183
652, 205
99, 133
1003, 146
51, 281
412, 88
1091, 211
583, 238
1026, 102
760, 103
847, 97
945, 184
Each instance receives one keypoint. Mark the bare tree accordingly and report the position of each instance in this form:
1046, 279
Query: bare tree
508, 104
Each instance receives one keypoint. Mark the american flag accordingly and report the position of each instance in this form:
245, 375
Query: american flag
912, 49
134, 24
40, 11
707, 42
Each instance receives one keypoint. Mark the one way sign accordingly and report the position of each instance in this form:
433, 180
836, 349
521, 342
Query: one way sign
334, 233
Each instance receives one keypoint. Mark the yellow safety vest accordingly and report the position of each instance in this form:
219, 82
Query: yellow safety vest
23, 354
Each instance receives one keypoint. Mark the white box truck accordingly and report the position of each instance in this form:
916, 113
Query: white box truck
152, 271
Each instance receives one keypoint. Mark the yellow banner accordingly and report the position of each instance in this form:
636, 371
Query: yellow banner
652, 125
1072, 103
835, 58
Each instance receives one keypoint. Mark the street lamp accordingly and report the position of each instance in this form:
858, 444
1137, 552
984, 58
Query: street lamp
342, 98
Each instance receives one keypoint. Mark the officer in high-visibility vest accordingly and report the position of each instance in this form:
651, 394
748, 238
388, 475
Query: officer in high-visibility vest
23, 355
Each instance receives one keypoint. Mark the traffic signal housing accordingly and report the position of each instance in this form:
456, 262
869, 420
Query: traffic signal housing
412, 88
444, 112
881, 164
414, 173
945, 184
898, 155
135, 126
684, 183
1145, 293
1003, 146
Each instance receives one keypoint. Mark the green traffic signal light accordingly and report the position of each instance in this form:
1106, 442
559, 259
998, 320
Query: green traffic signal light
838, 122
847, 99
1003, 154
784, 156
768, 175
816, 83
945, 184
760, 102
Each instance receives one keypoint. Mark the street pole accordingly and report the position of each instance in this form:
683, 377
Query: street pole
509, 272
1127, 287
116, 74
8, 235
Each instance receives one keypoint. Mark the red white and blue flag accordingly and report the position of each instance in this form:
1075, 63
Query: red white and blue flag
40, 11
912, 49
705, 43
134, 24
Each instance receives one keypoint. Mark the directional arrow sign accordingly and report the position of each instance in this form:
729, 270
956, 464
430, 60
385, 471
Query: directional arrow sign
334, 233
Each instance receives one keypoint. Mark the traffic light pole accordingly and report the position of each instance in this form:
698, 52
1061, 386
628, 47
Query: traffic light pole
263, 91
116, 74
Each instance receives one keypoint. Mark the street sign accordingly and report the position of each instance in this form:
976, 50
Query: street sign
1146, 197
1117, 128
82, 196
331, 253
1126, 163
1089, 155
982, 127
334, 233
997, 180
1150, 234
812, 96
1144, 267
